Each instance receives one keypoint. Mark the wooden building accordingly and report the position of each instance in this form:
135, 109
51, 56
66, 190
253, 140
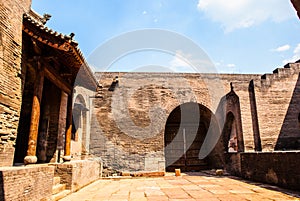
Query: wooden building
52, 66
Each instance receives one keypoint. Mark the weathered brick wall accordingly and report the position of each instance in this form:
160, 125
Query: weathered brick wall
278, 108
278, 168
129, 123
77, 174
26, 183
11, 15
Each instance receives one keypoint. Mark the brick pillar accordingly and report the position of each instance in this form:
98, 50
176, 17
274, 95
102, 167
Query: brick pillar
254, 115
67, 156
35, 114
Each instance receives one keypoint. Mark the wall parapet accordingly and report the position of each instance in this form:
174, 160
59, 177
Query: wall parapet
278, 168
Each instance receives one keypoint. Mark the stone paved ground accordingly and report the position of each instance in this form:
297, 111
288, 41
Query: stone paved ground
191, 187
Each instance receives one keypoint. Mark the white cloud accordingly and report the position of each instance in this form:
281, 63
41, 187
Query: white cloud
217, 64
230, 65
144, 12
178, 62
295, 57
282, 48
223, 67
191, 62
245, 13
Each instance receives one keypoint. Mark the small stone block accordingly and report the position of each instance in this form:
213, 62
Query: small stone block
219, 172
177, 172
125, 174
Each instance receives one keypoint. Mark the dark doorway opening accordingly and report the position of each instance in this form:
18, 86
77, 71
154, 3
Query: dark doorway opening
185, 132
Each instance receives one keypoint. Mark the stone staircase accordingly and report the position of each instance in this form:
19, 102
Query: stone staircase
59, 190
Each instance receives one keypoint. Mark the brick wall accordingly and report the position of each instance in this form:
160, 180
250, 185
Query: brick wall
278, 108
278, 168
129, 120
77, 174
11, 15
26, 183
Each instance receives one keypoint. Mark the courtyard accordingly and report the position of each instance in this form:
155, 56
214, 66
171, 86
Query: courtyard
188, 187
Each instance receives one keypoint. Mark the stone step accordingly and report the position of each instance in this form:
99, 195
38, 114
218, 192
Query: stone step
58, 188
60, 195
56, 180
147, 174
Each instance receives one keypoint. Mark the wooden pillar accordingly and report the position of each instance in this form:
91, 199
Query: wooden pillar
35, 114
67, 156
62, 123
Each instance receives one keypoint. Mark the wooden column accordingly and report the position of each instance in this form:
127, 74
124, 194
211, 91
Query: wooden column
35, 114
67, 156
62, 123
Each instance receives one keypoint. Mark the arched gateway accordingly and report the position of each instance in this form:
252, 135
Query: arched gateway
186, 129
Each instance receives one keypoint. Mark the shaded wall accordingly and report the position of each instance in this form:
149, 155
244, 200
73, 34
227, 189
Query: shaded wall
289, 137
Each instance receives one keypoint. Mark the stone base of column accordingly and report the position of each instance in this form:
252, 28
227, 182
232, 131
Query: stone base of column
30, 160
67, 158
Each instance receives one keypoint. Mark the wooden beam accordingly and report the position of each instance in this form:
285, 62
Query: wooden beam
56, 79
64, 46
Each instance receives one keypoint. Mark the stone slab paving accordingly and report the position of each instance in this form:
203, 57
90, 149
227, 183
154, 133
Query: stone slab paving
188, 187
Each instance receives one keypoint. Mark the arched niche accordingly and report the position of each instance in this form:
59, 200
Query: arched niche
79, 127
232, 130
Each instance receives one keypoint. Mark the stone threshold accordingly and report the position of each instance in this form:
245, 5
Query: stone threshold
128, 175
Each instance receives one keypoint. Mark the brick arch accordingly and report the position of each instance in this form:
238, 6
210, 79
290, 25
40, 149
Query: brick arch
80, 99
187, 128
233, 122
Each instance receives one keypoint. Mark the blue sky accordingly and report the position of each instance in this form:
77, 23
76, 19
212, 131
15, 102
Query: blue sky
239, 36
